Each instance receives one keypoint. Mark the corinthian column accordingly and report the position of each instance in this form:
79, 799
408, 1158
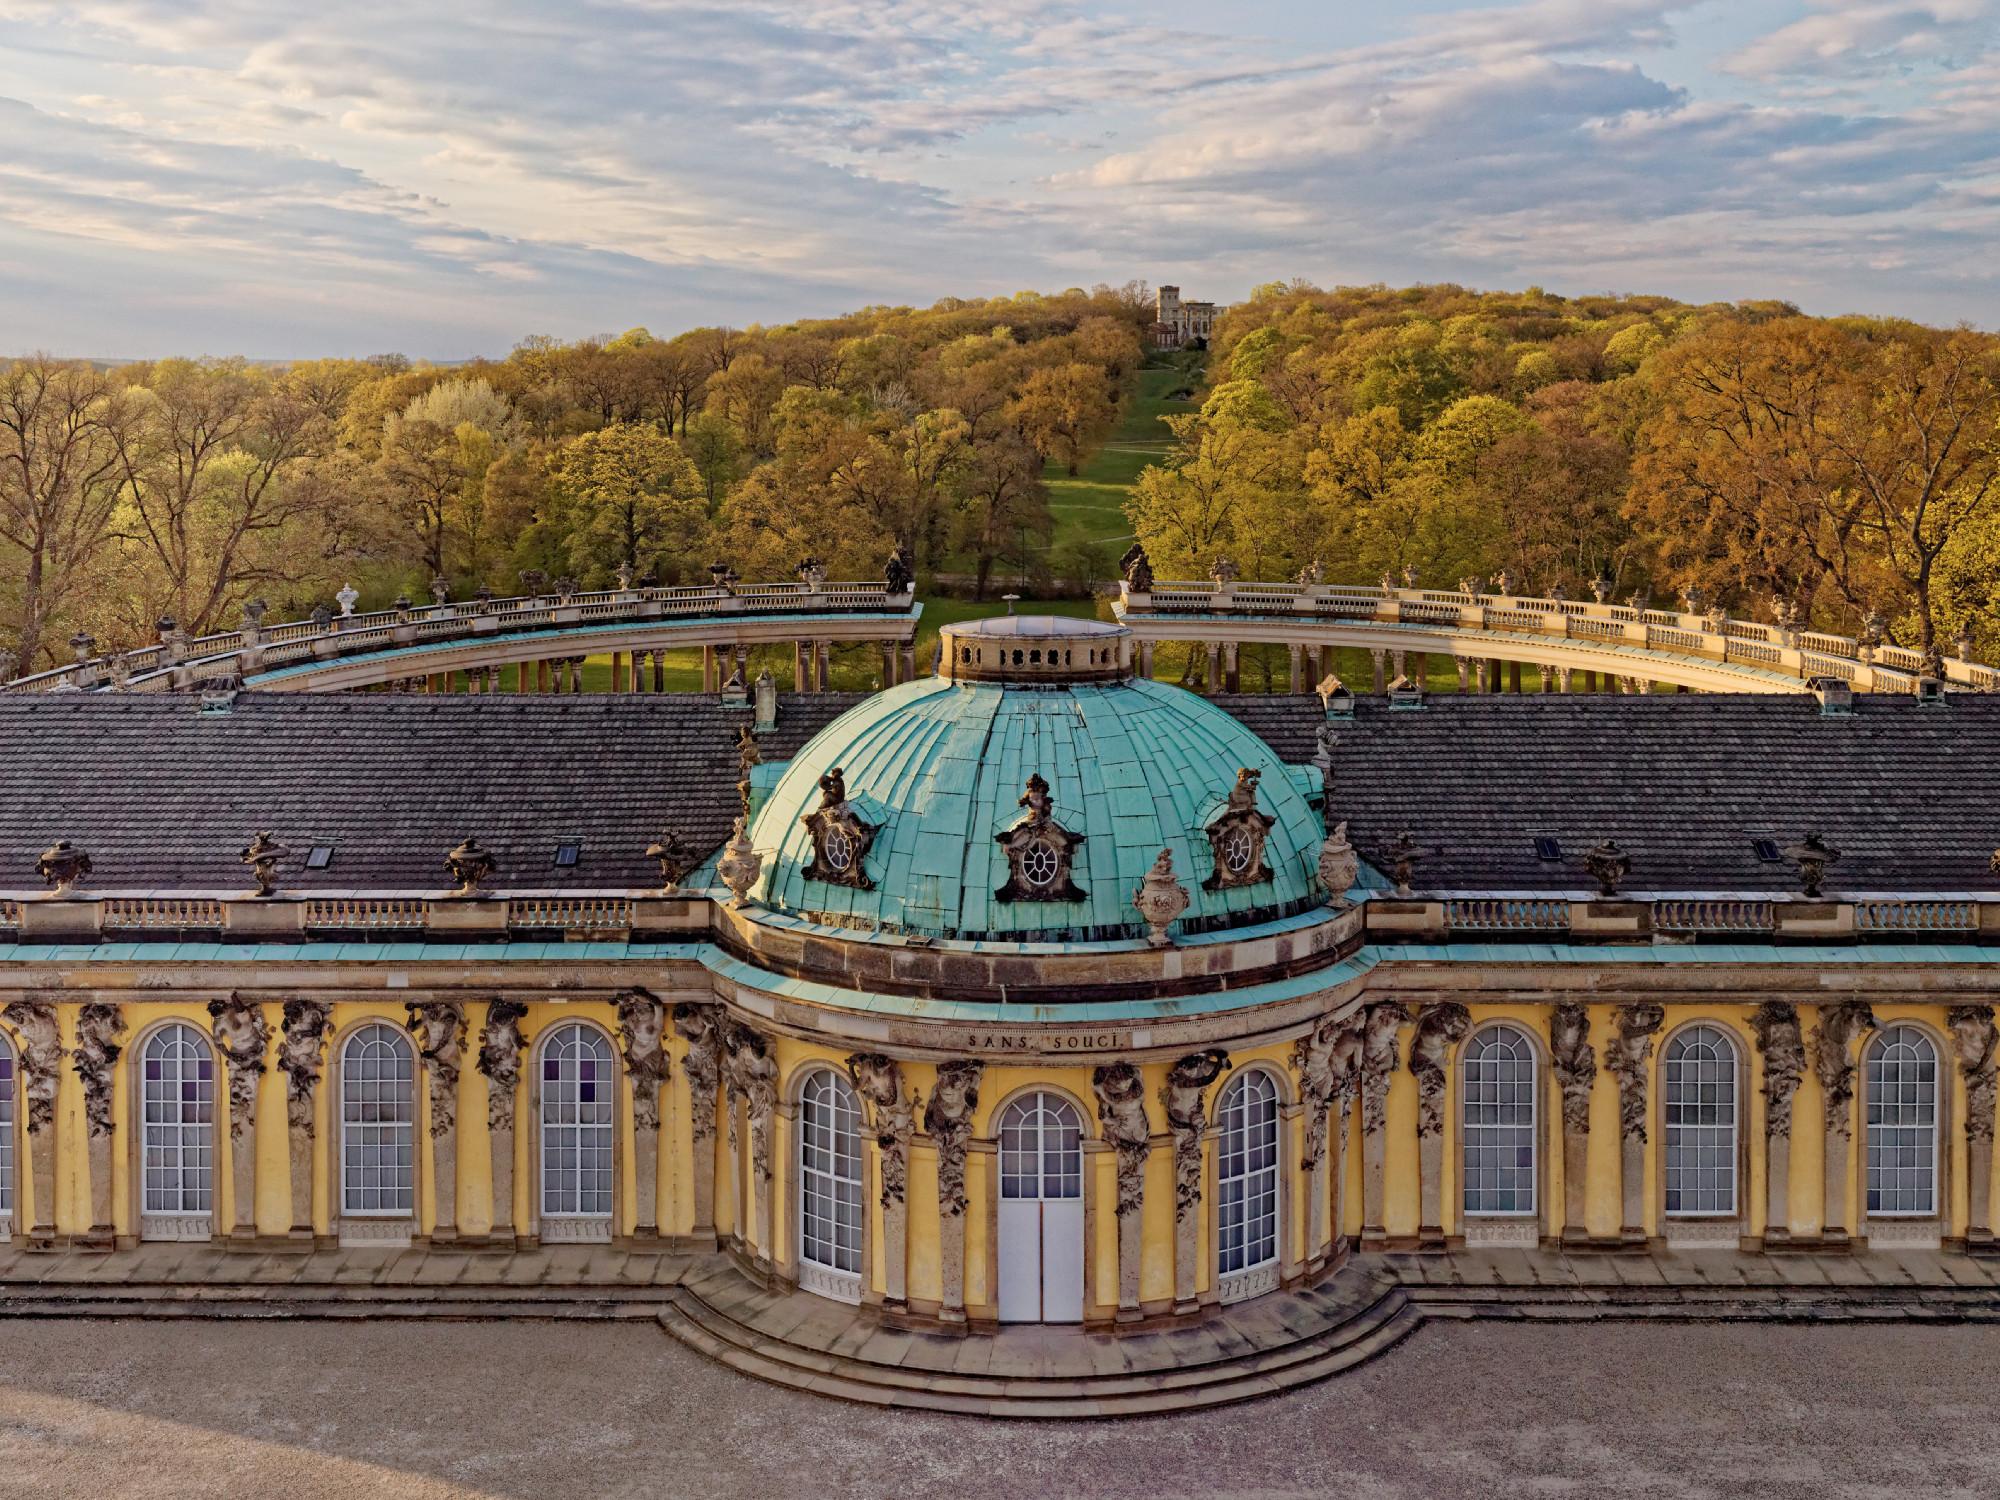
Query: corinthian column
243, 1037
501, 1048
1378, 1066
301, 1054
1440, 1027
642, 1026
948, 1122
1575, 1064
34, 1023
95, 1060
701, 1027
439, 1029
1973, 1039
892, 1107
1841, 1025
1630, 1050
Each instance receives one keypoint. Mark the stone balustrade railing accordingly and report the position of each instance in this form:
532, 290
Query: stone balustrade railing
182, 661
1429, 917
1787, 650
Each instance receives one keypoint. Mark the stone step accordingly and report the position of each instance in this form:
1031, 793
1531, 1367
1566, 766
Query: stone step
363, 1301
1211, 1382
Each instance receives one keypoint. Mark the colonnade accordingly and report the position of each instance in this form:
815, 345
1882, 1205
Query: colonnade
644, 671
1217, 667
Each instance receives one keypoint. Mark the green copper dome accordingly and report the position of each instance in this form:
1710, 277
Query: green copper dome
934, 774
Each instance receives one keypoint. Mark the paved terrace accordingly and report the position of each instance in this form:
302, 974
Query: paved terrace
1574, 643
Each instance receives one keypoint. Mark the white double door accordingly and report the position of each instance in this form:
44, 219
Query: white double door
1041, 1211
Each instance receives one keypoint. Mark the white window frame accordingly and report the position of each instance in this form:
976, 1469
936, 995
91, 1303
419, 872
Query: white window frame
565, 1222
385, 1036
188, 1211
1517, 1040
1024, 1131
10, 1086
1253, 1090
1674, 1135
829, 1137
1876, 1053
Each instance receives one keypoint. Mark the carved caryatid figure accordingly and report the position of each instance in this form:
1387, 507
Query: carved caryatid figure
95, 1058
642, 1026
948, 1122
1630, 1048
1237, 837
1041, 853
1439, 1028
1574, 1061
1776, 1024
241, 1035
753, 1075
1841, 1025
1973, 1039
34, 1023
438, 1027
840, 836
700, 1026
262, 855
1325, 1060
501, 1050
1378, 1059
301, 1052
1184, 1094
891, 1105
1121, 1112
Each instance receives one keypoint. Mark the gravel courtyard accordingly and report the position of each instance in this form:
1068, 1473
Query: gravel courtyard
186, 1409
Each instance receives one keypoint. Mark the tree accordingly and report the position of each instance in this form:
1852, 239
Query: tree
1064, 411
60, 478
1003, 497
628, 494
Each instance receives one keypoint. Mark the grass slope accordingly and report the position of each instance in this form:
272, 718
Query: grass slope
1090, 508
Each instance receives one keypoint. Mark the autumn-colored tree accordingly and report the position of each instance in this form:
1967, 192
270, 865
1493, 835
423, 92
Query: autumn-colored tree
1064, 411
627, 494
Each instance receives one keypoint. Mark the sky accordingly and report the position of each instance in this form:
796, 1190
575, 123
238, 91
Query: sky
284, 180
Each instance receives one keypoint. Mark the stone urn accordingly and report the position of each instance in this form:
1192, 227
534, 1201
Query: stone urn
740, 865
1160, 899
1339, 865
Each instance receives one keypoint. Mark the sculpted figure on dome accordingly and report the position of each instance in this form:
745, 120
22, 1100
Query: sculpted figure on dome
1041, 853
840, 836
1237, 837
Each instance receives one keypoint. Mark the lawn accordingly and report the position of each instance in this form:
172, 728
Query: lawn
1090, 508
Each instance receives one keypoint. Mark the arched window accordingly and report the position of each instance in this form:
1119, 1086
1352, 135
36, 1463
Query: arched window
1902, 1083
1700, 1068
1041, 1149
177, 1125
1499, 1103
576, 1123
830, 1184
1246, 1187
378, 1174
6, 1134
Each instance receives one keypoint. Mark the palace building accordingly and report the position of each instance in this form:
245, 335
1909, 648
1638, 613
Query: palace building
1029, 991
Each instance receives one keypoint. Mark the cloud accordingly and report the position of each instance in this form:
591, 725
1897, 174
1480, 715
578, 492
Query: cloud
373, 175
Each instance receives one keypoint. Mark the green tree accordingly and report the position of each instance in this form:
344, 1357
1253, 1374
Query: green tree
628, 494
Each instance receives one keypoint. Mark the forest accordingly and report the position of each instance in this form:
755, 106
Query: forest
1845, 468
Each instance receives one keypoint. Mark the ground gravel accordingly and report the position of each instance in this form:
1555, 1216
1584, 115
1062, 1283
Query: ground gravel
1632, 1411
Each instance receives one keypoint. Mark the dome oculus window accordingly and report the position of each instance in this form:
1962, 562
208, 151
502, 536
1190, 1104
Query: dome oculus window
840, 836
1041, 853
1237, 837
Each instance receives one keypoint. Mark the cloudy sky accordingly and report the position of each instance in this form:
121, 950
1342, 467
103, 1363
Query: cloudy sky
278, 179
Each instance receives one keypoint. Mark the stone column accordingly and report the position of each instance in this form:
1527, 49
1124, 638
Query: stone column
888, 649
1379, 1055
1121, 1114
801, 673
242, 1036
1324, 1060
910, 661
1630, 1050
1420, 669
822, 665
948, 1122
439, 1029
1184, 1097
1973, 1040
642, 1026
1440, 1027
701, 1027
1232, 670
1295, 660
95, 1059
1459, 663
501, 1050
1146, 660
1212, 676
34, 1023
1380, 661
1841, 1025
1514, 676
1776, 1024
711, 679
1575, 1064
892, 1107
301, 1055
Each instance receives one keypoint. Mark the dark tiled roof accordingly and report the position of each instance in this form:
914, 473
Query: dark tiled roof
162, 795
1910, 793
